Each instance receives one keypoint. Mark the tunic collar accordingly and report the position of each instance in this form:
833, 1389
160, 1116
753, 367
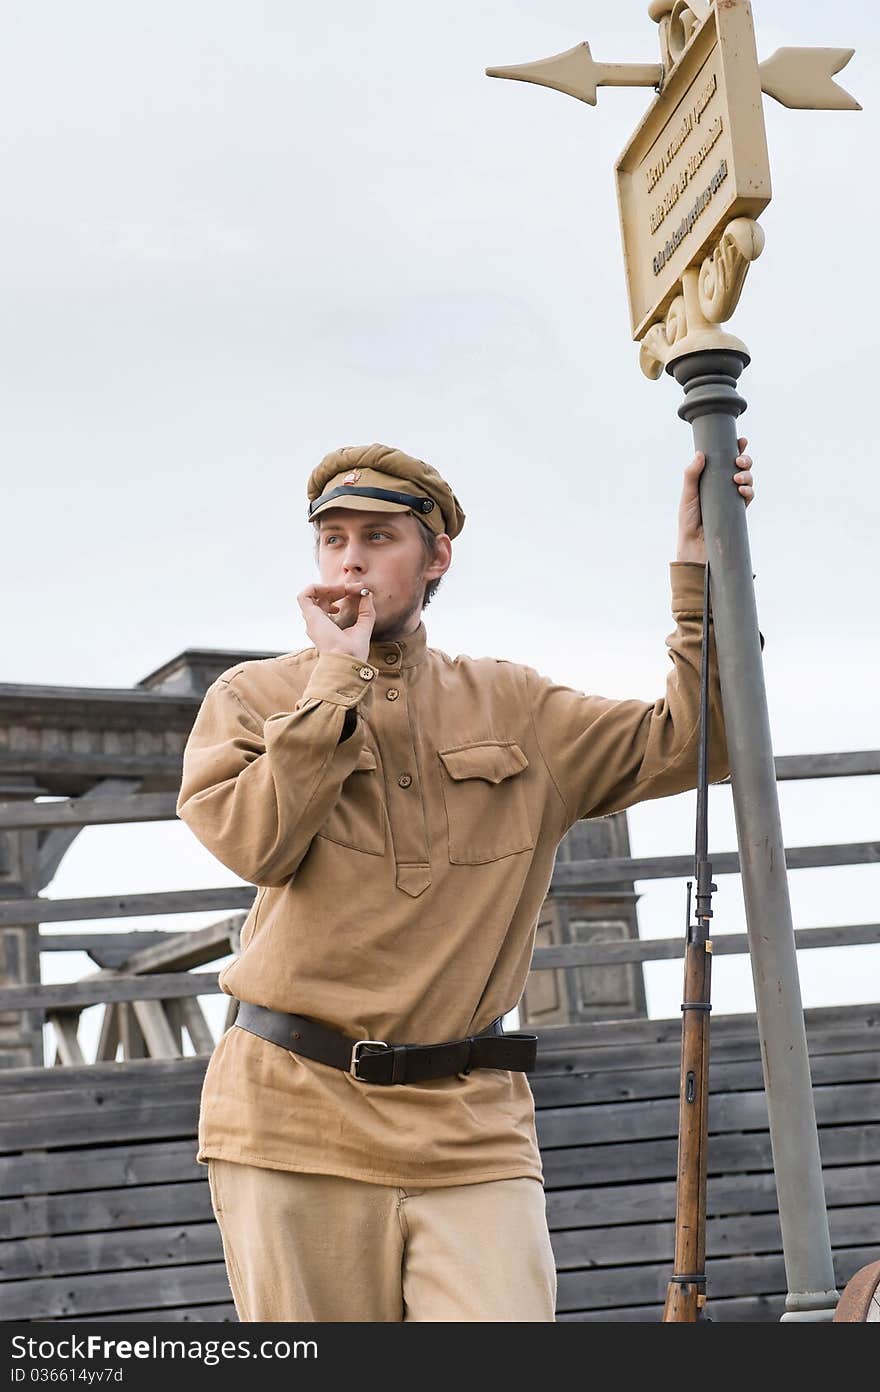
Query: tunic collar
405, 652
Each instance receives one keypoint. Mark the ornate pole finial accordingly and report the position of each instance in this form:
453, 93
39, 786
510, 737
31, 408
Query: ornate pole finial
677, 20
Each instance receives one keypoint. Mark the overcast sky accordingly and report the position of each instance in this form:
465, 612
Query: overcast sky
237, 235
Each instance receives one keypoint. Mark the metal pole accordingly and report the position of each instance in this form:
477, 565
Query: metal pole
711, 405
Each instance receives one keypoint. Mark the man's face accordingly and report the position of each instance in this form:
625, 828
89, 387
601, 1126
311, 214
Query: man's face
383, 551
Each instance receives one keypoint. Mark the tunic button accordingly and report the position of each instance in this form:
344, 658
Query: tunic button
391, 657
404, 780
367, 673
392, 695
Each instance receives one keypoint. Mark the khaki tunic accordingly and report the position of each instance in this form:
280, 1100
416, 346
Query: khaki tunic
401, 818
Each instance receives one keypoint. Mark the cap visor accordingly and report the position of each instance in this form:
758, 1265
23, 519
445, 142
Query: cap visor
358, 504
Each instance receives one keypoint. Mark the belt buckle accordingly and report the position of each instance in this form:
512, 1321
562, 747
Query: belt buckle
355, 1056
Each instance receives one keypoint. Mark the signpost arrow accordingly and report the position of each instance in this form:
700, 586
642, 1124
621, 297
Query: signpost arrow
803, 78
575, 73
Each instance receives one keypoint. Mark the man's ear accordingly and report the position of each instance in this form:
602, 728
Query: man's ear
442, 557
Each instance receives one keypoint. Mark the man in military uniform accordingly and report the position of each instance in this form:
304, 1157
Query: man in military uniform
367, 1124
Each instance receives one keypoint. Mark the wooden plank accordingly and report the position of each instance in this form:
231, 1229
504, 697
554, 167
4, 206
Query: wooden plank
132, 708
749, 1310
172, 1014
667, 949
109, 808
109, 1037
738, 1111
62, 771
93, 1252
96, 990
576, 874
18, 911
555, 1064
99, 1167
841, 1104
135, 1123
641, 1031
192, 1018
633, 1084
155, 1028
730, 1236
135, 1206
609, 1204
115, 1291
632, 1314
849, 764
140, 1074
124, 943
131, 1039
66, 1040
177, 951
192, 1314
598, 1034
66, 771
727, 1154
60, 1102
194, 947
638, 1121
646, 1284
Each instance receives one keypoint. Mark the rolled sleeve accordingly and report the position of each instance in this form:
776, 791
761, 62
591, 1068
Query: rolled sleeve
687, 579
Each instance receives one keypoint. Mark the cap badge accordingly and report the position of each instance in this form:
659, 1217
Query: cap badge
352, 476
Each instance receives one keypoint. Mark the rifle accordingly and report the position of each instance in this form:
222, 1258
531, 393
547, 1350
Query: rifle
686, 1291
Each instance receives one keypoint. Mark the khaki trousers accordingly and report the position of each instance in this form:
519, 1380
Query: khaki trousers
316, 1247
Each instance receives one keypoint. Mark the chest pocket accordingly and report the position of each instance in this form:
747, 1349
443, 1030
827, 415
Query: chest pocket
485, 798
358, 818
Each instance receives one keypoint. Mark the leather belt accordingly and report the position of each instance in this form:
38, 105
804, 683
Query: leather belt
375, 1061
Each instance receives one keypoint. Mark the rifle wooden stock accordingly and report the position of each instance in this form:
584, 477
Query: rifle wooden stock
686, 1291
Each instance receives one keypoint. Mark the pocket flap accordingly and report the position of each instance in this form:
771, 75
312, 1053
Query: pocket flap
490, 760
366, 760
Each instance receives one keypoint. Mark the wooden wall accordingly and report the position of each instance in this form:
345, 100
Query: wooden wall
607, 1111
104, 1213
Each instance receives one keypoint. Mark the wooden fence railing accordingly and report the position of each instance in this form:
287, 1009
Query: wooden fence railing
150, 990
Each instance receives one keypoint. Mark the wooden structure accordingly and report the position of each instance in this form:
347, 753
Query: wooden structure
104, 1213
578, 911
119, 748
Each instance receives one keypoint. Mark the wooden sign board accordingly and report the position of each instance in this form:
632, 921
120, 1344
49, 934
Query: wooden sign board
698, 159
